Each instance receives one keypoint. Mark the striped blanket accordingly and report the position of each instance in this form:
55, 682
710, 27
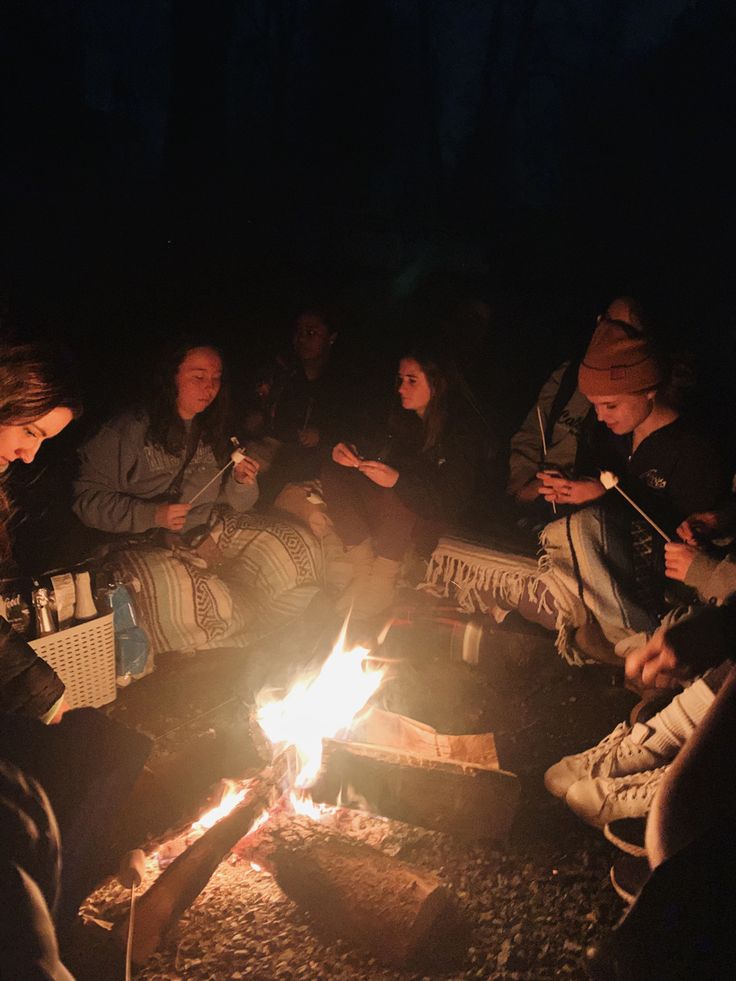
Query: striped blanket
267, 572
586, 566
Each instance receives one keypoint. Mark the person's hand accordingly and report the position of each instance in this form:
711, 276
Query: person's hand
172, 517
561, 490
655, 665
308, 437
379, 473
62, 707
678, 558
346, 456
529, 491
698, 528
246, 470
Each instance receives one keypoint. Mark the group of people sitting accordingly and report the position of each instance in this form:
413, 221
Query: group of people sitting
177, 501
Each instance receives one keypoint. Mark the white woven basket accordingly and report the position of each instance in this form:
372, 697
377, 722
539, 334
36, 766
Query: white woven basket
84, 658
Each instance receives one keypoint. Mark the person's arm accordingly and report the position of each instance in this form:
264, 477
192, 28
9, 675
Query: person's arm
714, 579
526, 454
100, 501
241, 486
28, 685
687, 648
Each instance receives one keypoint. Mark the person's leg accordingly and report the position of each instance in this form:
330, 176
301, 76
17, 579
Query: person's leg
29, 880
698, 792
392, 523
343, 490
391, 520
87, 765
644, 746
604, 566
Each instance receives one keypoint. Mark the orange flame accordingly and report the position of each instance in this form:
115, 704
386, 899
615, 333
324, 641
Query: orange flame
321, 706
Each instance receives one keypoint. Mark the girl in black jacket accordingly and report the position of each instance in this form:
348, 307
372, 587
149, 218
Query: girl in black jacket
407, 486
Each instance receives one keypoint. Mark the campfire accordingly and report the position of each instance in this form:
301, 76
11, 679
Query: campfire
326, 744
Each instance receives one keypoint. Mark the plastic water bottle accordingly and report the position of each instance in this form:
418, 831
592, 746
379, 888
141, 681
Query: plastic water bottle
131, 642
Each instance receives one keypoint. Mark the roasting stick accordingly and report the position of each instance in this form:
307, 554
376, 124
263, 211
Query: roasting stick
308, 415
237, 456
544, 445
610, 482
130, 876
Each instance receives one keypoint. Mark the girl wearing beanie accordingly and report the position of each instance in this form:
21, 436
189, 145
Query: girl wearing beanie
600, 581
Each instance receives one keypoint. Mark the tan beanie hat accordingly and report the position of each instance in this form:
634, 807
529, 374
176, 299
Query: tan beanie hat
617, 363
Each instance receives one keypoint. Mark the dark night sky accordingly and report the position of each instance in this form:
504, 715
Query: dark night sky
180, 163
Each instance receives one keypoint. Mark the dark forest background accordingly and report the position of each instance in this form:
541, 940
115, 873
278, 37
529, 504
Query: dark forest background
499, 167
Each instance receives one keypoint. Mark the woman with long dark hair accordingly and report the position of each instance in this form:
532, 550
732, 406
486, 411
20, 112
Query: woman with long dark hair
407, 486
208, 567
37, 400
57, 782
142, 469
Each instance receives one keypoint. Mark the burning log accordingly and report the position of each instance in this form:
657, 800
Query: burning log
402, 769
463, 800
161, 906
178, 886
397, 912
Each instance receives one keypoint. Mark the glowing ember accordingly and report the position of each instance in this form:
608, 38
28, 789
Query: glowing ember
307, 807
321, 707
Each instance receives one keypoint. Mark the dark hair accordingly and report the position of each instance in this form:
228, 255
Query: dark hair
34, 380
442, 377
165, 427
637, 317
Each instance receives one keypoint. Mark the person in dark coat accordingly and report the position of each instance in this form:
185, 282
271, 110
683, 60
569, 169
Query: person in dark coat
405, 484
37, 401
60, 783
300, 403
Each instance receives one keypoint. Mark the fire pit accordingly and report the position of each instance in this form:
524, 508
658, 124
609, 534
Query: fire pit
397, 913
533, 903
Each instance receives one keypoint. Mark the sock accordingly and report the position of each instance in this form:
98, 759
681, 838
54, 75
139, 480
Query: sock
678, 720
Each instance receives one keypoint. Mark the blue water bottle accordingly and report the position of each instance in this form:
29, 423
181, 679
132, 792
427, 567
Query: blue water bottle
131, 642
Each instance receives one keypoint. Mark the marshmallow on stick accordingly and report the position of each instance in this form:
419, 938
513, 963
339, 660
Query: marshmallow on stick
610, 482
237, 456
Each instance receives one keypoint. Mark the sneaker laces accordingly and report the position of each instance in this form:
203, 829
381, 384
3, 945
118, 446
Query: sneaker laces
638, 785
631, 745
602, 749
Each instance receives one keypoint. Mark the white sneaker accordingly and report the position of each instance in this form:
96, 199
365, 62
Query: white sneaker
622, 752
600, 800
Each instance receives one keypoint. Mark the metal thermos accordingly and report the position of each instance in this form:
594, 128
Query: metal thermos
44, 617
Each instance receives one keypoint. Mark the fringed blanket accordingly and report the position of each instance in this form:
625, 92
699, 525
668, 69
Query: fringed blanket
585, 568
265, 573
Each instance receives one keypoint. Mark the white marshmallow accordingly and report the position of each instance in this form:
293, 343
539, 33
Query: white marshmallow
608, 479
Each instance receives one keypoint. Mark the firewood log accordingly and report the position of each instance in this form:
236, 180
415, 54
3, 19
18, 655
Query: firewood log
458, 798
393, 910
161, 906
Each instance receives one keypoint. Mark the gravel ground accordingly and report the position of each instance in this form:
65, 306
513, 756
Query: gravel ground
532, 904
